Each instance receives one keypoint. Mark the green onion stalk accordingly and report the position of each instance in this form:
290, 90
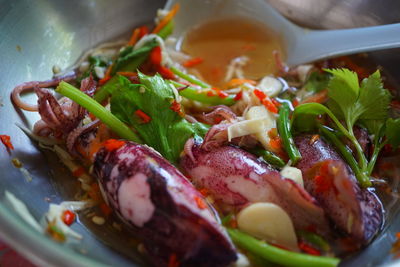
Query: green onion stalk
98, 110
278, 255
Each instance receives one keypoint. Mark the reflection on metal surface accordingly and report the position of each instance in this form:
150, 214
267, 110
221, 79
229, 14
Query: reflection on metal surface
335, 14
54, 33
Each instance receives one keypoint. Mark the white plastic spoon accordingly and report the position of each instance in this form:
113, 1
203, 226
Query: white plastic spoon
301, 45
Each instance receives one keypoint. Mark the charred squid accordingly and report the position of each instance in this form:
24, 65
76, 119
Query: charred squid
235, 178
355, 211
170, 216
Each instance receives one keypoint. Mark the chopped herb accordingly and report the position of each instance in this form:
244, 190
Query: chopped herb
353, 103
94, 61
97, 110
159, 126
130, 59
202, 95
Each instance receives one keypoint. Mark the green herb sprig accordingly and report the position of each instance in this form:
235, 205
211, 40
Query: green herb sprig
363, 104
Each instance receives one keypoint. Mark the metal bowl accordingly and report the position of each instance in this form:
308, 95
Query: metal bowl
34, 36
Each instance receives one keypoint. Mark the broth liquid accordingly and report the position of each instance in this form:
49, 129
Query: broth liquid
218, 42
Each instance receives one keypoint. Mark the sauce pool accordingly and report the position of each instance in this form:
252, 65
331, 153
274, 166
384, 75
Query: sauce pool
218, 42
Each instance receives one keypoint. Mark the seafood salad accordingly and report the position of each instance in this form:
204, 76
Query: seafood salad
216, 158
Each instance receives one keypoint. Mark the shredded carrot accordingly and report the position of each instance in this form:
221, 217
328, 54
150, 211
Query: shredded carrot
259, 94
308, 249
220, 93
171, 14
166, 73
135, 37
236, 82
275, 102
173, 261
295, 102
155, 56
269, 105
238, 96
6, 140
105, 209
107, 75
319, 97
200, 203
276, 143
192, 62
113, 144
273, 133
78, 171
145, 118
265, 100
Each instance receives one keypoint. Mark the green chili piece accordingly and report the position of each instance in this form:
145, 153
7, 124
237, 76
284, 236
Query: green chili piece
201, 96
167, 30
269, 157
190, 78
286, 135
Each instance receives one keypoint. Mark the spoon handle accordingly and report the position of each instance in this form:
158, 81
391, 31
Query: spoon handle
311, 45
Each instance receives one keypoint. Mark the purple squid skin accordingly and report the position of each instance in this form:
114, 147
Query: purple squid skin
236, 178
355, 211
174, 223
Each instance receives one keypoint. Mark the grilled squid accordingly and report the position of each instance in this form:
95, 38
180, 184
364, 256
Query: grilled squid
170, 217
355, 211
235, 178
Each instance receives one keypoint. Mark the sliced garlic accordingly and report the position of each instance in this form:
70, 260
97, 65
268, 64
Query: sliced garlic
269, 222
242, 261
246, 127
100, 72
303, 71
294, 174
270, 86
269, 122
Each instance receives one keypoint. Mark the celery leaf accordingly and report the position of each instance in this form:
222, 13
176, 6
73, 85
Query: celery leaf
164, 130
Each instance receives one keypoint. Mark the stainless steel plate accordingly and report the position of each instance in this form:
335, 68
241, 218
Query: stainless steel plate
34, 36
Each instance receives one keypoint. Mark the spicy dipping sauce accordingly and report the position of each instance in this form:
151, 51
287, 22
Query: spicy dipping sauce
218, 42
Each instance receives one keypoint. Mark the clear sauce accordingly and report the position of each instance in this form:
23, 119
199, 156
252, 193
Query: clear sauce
220, 41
